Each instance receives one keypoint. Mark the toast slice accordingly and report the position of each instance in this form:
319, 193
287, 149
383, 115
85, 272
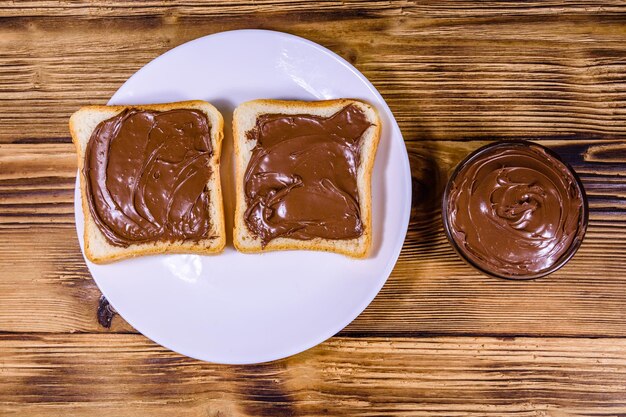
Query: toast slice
100, 249
244, 125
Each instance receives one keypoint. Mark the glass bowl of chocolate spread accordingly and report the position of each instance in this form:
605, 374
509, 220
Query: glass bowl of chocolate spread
515, 210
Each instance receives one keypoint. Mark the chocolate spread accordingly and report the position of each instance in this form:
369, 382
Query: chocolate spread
146, 175
515, 210
301, 181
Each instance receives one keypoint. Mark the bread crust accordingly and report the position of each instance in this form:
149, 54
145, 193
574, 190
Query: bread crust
243, 240
97, 248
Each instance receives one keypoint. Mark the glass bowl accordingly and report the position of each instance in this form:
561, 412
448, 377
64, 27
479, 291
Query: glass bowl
515, 210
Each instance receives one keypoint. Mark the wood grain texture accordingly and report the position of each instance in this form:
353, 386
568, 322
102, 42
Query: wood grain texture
130, 376
449, 72
431, 290
456, 74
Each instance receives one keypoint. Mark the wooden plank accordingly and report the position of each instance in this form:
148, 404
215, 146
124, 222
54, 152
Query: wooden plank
129, 375
36, 183
449, 72
214, 9
220, 8
45, 284
37, 180
47, 288
430, 291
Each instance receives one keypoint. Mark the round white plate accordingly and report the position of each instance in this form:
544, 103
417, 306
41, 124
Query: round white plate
235, 308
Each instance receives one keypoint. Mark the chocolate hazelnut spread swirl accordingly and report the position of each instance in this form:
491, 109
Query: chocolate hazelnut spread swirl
515, 210
301, 180
147, 173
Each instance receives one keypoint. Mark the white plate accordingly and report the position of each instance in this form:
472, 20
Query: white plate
235, 308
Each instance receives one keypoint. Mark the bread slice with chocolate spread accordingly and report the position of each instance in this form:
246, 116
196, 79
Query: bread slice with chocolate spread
150, 179
303, 175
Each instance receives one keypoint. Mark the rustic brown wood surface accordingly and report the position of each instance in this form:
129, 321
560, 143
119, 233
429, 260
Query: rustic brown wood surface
440, 339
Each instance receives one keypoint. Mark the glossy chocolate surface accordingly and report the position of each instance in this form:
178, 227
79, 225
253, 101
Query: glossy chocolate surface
301, 180
515, 210
147, 174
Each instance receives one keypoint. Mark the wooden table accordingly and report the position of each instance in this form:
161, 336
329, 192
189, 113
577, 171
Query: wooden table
440, 339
